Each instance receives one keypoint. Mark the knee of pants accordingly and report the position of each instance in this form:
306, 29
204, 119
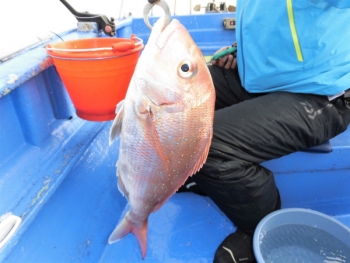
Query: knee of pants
244, 201
221, 167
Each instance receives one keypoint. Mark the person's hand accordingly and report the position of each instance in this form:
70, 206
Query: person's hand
228, 61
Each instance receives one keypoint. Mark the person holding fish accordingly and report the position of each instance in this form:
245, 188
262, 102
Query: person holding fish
284, 92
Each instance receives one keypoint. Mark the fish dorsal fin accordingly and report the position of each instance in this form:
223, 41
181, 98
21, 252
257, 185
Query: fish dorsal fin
203, 157
117, 123
195, 169
167, 33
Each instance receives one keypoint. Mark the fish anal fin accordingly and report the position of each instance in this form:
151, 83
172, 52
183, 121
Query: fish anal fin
160, 204
121, 186
126, 226
117, 123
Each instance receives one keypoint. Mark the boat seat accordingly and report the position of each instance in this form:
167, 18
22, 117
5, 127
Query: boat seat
325, 147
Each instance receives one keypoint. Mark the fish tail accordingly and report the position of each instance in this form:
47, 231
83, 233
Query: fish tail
126, 226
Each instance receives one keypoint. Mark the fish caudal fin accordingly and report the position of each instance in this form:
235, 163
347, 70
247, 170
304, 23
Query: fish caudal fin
126, 226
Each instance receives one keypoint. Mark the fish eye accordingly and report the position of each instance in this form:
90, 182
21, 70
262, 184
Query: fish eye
186, 68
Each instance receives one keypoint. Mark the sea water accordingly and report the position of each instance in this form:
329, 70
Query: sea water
301, 243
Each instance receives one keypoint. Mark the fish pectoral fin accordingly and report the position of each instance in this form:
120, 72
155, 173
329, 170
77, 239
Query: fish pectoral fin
147, 116
126, 226
117, 123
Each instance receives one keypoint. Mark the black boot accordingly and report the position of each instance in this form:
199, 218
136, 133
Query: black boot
236, 248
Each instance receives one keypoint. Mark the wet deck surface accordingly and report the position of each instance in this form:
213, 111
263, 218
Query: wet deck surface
74, 225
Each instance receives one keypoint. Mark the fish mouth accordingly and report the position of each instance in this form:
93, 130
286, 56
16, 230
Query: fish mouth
160, 34
166, 34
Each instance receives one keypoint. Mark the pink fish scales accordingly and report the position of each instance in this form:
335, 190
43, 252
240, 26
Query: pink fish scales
164, 124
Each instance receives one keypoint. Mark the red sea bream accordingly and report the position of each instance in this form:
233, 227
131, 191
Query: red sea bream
164, 124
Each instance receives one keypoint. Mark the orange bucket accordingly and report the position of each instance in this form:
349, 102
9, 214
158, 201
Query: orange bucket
96, 72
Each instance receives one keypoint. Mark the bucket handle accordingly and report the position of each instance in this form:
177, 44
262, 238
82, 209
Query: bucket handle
122, 46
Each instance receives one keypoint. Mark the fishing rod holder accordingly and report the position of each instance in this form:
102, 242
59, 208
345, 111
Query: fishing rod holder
212, 7
103, 23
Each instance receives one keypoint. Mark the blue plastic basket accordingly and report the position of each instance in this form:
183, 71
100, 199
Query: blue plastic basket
302, 235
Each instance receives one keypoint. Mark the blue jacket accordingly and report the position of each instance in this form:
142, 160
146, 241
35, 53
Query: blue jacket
300, 46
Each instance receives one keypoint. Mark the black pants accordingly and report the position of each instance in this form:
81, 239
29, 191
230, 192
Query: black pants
253, 128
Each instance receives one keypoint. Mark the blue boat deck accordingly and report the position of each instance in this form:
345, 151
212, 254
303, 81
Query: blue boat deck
58, 174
